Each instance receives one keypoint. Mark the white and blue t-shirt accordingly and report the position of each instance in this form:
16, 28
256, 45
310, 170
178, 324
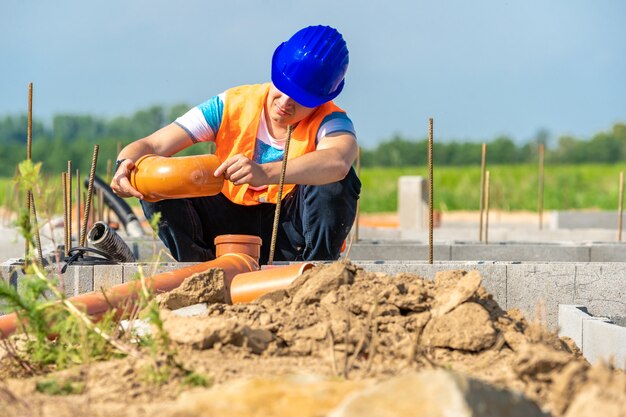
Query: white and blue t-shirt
203, 121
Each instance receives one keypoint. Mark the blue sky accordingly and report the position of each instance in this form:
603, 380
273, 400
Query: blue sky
480, 68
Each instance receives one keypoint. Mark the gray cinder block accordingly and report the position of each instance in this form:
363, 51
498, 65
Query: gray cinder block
601, 287
77, 279
604, 341
538, 289
520, 252
107, 276
413, 203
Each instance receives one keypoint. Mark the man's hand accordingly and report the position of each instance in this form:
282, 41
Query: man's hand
239, 169
120, 184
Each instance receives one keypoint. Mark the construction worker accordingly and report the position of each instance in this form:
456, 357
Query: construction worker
249, 125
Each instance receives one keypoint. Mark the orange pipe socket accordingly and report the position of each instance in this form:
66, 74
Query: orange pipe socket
160, 178
249, 286
122, 296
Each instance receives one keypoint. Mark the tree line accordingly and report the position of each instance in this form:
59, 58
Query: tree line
71, 137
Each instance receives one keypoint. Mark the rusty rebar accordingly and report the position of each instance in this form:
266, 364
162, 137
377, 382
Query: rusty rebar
487, 186
36, 228
29, 147
78, 203
540, 197
280, 195
65, 215
92, 174
620, 209
482, 190
430, 190
68, 188
358, 202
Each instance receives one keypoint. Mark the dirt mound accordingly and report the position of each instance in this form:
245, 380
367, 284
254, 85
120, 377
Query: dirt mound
339, 320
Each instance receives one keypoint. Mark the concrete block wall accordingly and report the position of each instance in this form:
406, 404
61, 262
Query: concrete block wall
535, 288
597, 337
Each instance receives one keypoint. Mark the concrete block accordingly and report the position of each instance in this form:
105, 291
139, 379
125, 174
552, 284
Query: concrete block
107, 276
151, 268
604, 341
571, 319
413, 202
381, 250
584, 220
538, 289
601, 287
77, 279
609, 252
520, 252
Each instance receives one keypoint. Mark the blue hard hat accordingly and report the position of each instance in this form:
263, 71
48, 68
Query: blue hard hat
310, 67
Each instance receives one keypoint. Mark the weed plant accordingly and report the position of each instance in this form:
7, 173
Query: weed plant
58, 334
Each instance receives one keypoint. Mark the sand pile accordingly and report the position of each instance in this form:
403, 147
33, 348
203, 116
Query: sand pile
338, 320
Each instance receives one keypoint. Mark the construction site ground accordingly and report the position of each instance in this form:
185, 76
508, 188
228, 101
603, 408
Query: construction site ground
331, 345
336, 332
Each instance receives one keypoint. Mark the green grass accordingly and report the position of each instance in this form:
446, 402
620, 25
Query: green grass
513, 187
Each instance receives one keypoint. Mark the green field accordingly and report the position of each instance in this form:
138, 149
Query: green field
513, 187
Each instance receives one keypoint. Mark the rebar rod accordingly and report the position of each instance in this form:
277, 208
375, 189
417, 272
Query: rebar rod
540, 197
78, 202
36, 228
430, 190
281, 182
482, 190
92, 173
66, 248
487, 186
69, 204
358, 202
29, 147
620, 209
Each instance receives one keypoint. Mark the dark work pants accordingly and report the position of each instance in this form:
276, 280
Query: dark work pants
314, 222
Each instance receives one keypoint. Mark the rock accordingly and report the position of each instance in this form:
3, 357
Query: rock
205, 287
205, 332
435, 393
296, 396
467, 327
315, 284
603, 394
450, 297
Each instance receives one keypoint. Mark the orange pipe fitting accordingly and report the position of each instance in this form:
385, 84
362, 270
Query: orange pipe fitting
249, 286
250, 245
159, 178
122, 297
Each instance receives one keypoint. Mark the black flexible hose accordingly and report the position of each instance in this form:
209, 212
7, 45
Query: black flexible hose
120, 207
105, 239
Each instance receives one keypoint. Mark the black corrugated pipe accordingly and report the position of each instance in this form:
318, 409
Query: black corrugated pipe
120, 207
102, 237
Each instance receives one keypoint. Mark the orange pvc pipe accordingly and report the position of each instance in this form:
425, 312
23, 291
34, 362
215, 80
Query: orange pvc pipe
160, 178
249, 286
122, 296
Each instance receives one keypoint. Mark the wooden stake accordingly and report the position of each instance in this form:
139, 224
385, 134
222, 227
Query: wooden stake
430, 190
620, 209
540, 197
487, 186
482, 190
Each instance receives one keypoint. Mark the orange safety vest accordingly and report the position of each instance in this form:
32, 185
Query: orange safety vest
237, 134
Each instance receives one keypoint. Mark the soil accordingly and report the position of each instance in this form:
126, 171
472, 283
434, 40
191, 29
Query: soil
347, 326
